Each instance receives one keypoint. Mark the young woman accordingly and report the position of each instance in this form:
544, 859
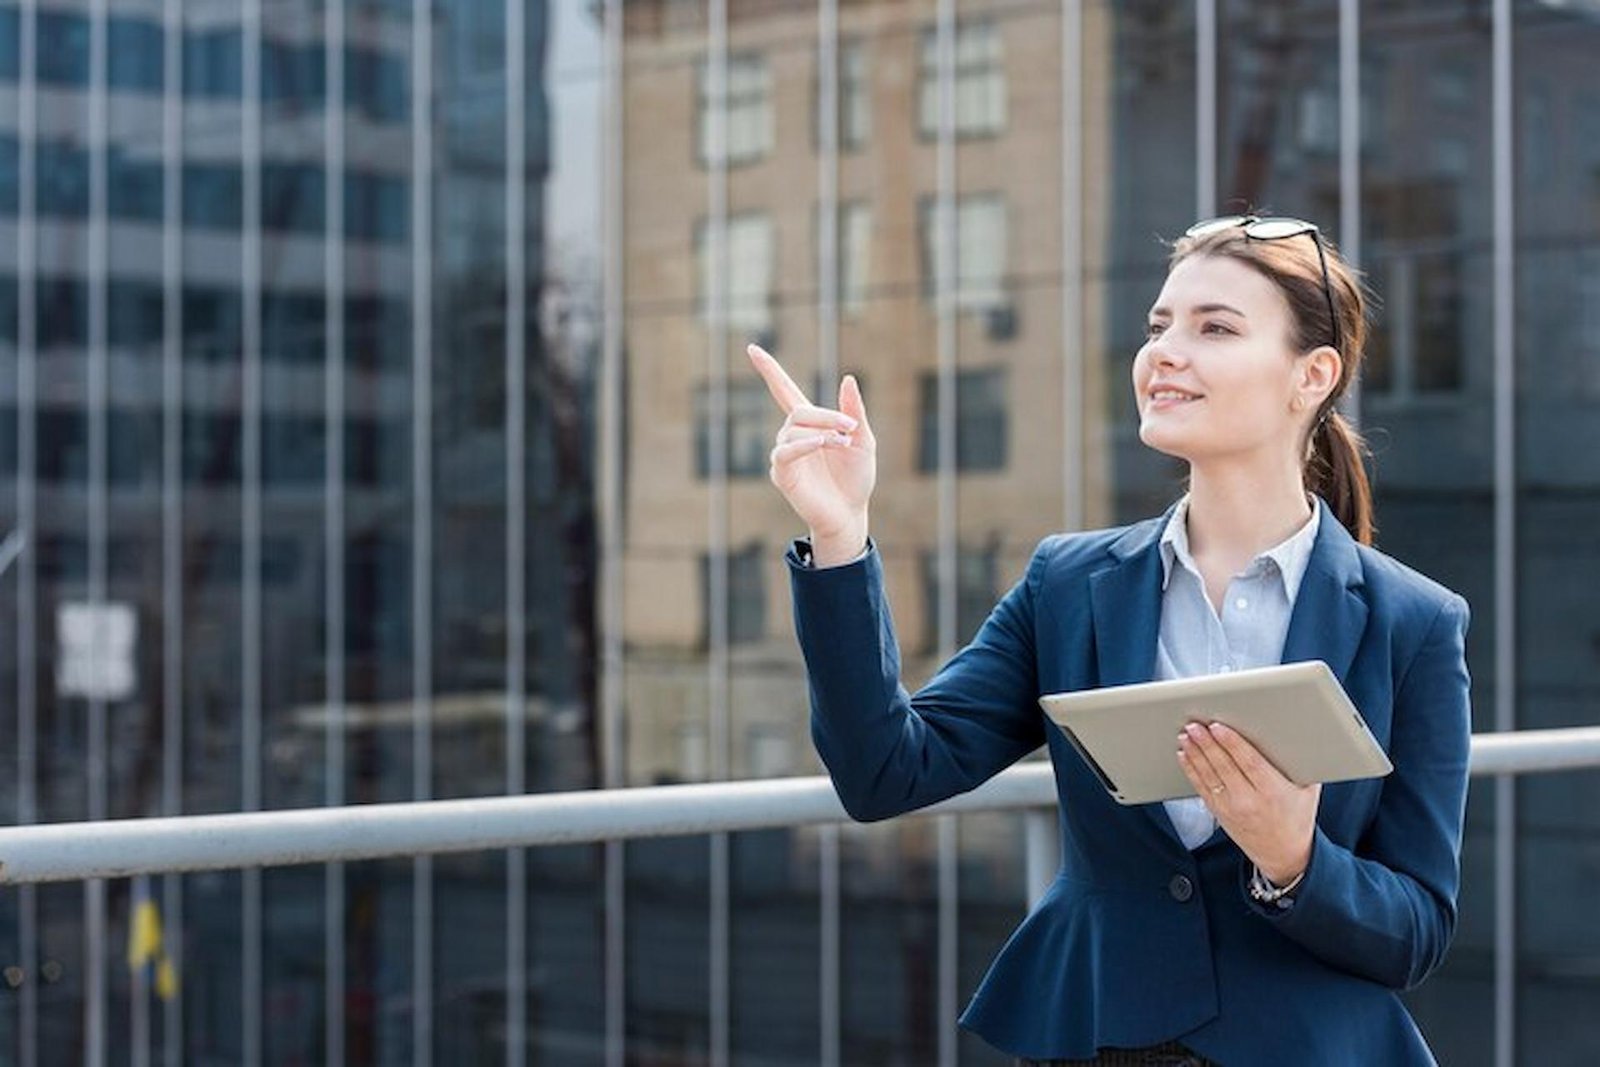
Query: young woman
1259, 922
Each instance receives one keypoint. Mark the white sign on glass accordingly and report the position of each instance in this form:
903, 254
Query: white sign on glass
94, 658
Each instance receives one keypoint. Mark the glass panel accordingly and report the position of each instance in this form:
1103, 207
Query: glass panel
1426, 236
377, 514
566, 899
1557, 123
1148, 161
468, 567
293, 442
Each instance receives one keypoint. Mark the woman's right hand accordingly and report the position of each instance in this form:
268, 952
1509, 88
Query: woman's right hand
824, 462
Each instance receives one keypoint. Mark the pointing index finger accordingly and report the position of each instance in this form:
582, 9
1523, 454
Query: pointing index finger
779, 384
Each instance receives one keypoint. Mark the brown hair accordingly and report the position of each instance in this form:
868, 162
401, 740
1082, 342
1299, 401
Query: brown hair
1334, 466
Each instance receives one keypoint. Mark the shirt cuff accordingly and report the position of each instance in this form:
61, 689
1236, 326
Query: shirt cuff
801, 548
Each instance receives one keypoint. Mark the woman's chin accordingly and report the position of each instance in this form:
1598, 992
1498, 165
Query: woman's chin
1168, 439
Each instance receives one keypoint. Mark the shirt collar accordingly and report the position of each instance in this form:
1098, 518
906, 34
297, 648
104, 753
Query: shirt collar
1289, 557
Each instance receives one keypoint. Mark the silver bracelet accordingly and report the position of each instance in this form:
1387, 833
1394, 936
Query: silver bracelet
1262, 888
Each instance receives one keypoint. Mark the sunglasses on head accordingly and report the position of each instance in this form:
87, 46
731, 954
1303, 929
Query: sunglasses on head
1276, 229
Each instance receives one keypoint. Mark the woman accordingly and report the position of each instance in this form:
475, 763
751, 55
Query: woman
1259, 922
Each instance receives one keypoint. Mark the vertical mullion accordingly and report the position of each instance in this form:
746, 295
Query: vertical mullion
27, 569
94, 890
333, 519
1205, 108
1505, 471
1350, 159
948, 532
171, 495
609, 485
516, 509
717, 518
250, 516
422, 512
1074, 406
828, 372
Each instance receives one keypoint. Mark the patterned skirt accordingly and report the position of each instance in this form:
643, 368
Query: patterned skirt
1171, 1054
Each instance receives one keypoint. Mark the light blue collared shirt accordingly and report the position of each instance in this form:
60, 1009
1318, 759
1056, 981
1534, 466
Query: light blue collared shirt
1250, 632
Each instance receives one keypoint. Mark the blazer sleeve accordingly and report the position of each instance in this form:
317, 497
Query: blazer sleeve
889, 751
1387, 910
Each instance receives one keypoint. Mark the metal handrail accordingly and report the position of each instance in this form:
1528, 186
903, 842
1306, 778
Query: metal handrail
60, 852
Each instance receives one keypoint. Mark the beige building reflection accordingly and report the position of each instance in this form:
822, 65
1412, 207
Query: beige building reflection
1013, 424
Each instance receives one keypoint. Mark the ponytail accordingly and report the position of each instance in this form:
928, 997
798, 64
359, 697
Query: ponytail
1335, 470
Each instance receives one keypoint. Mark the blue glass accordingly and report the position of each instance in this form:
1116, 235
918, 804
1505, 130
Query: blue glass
134, 314
62, 188
377, 207
135, 59
212, 196
212, 63
134, 185
63, 50
293, 75
377, 84
62, 313
212, 323
292, 328
292, 197
10, 43
10, 183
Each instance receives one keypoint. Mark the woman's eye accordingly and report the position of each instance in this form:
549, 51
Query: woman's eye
1152, 328
1220, 328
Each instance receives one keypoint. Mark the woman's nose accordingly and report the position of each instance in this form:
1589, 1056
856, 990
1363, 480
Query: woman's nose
1164, 354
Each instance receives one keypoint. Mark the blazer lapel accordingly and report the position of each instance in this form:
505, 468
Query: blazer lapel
1125, 601
1330, 614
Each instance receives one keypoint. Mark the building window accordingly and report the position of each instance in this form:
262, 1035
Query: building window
376, 85
10, 164
10, 44
1416, 343
854, 99
376, 207
212, 196
63, 43
749, 277
980, 421
61, 310
854, 247
134, 55
134, 186
212, 64
294, 77
750, 429
212, 323
292, 328
8, 310
377, 332
63, 180
747, 595
976, 570
135, 314
292, 197
980, 258
980, 81
749, 110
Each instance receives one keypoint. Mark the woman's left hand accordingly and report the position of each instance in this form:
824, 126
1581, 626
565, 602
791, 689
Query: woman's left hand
1270, 818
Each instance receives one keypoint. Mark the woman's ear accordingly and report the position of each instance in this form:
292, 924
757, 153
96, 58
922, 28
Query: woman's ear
1319, 374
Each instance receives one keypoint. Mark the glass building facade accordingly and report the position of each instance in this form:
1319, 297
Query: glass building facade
371, 381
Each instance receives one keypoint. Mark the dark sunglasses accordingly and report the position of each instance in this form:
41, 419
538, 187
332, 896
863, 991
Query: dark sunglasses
1276, 229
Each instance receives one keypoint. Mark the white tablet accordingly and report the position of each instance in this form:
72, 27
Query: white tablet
1297, 714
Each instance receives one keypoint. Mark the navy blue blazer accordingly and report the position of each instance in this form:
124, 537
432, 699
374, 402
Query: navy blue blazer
1139, 940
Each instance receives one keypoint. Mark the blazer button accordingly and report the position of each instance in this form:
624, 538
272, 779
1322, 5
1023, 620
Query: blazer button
1180, 887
